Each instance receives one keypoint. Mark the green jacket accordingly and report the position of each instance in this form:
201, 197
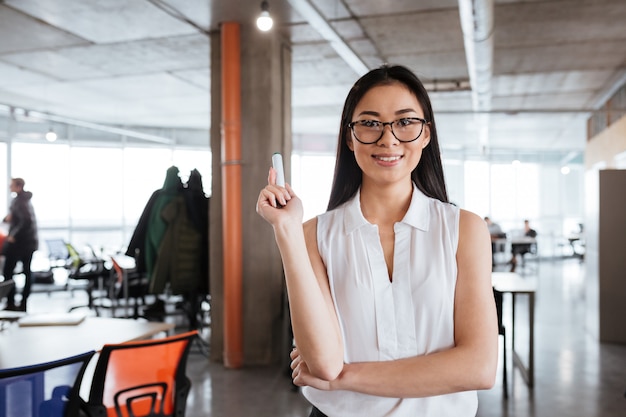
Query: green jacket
157, 225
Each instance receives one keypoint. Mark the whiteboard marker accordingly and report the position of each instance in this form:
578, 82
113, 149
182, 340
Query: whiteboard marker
277, 163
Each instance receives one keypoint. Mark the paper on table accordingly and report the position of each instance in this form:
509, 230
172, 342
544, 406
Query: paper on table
51, 319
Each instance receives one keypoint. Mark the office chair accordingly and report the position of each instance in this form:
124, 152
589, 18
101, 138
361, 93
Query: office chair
141, 378
7, 316
57, 253
5, 287
84, 270
502, 332
44, 390
122, 287
89, 269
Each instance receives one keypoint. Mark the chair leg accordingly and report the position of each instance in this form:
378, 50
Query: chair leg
505, 383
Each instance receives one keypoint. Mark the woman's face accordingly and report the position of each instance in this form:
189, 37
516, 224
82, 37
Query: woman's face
388, 160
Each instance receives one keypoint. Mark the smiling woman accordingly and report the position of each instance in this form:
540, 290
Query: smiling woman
390, 289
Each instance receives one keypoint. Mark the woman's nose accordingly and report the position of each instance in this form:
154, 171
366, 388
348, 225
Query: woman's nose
387, 138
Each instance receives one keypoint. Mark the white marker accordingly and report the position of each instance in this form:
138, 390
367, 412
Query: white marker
277, 163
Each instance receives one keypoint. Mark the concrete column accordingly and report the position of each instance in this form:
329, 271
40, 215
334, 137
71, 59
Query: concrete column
265, 129
605, 234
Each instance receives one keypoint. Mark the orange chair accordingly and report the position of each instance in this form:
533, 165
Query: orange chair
141, 378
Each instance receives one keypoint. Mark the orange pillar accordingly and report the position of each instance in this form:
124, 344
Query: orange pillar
231, 189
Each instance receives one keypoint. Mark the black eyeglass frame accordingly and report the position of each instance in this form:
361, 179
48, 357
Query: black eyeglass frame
382, 131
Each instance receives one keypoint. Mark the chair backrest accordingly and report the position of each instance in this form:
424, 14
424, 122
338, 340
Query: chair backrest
5, 287
57, 249
44, 390
119, 272
142, 378
75, 261
499, 299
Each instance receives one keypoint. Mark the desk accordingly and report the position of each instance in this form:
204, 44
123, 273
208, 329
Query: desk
21, 346
510, 282
522, 244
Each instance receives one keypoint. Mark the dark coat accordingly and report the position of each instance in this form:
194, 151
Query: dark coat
183, 255
144, 244
23, 223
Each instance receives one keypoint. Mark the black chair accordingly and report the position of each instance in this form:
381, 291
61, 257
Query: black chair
5, 287
124, 288
88, 269
84, 271
6, 316
502, 332
57, 253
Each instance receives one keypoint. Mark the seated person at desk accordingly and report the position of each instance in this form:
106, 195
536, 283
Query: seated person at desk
496, 234
522, 248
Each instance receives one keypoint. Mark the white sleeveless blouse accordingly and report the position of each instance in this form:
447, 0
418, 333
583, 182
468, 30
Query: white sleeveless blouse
384, 320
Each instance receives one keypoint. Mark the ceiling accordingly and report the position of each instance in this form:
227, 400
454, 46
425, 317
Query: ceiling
142, 65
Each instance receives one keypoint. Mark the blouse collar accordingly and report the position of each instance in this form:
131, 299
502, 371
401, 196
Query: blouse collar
417, 216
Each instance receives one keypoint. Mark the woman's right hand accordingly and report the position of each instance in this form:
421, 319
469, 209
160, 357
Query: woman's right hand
301, 375
279, 204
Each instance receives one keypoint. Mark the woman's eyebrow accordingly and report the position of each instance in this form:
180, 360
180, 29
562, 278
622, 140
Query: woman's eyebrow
368, 113
403, 111
376, 114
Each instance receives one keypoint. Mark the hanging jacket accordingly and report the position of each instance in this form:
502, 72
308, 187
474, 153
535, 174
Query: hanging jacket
198, 209
183, 255
178, 260
146, 239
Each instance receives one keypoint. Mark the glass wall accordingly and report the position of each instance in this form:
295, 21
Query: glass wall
4, 186
92, 196
507, 192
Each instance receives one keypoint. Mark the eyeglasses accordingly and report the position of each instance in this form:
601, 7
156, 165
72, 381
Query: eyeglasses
405, 130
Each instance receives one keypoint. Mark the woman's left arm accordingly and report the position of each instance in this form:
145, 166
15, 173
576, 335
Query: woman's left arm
469, 365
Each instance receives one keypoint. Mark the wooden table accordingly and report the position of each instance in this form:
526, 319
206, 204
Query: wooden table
21, 346
510, 282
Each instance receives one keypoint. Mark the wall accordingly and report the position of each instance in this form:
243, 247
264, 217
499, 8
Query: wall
605, 221
607, 148
612, 255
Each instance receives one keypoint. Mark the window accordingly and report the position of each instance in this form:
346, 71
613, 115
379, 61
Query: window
95, 195
4, 182
476, 188
312, 178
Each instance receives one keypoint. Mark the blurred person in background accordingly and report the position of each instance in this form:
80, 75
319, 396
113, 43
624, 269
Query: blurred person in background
21, 242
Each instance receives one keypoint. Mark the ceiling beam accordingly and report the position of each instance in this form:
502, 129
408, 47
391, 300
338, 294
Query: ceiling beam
321, 25
35, 115
477, 25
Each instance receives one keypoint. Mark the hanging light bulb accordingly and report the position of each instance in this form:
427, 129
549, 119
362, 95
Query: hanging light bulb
51, 135
264, 22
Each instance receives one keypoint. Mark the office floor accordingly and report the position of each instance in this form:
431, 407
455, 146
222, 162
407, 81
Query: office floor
574, 374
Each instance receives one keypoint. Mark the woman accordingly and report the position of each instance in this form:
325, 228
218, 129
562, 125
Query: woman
390, 290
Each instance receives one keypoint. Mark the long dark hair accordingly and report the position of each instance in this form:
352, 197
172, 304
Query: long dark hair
428, 175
